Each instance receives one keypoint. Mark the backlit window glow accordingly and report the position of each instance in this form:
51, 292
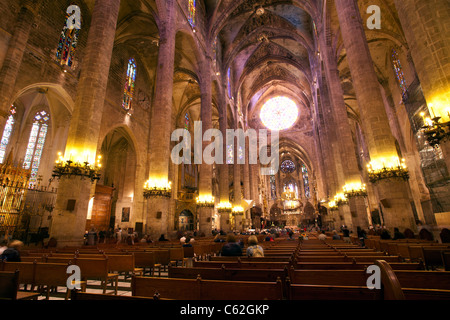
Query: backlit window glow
279, 113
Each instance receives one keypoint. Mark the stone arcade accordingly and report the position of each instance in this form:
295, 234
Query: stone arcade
91, 92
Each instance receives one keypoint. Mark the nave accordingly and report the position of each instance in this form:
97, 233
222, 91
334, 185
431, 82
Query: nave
291, 269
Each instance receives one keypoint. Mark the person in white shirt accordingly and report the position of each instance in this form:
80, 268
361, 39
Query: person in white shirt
323, 236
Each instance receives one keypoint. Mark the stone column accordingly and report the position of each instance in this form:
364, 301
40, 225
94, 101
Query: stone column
13, 59
346, 144
334, 149
393, 194
68, 227
224, 184
426, 25
158, 209
247, 184
205, 183
237, 186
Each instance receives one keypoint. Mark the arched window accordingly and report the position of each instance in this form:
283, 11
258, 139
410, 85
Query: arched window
306, 181
129, 85
192, 12
36, 144
186, 121
273, 187
7, 133
229, 82
69, 37
214, 49
399, 72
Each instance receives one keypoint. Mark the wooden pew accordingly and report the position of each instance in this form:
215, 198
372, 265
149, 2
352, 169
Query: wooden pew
242, 264
26, 275
176, 255
98, 269
354, 266
199, 289
83, 296
123, 264
48, 276
259, 275
146, 261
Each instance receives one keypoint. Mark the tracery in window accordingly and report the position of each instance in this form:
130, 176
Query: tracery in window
36, 144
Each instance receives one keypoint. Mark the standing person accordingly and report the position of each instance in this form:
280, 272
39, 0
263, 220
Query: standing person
361, 236
12, 254
346, 234
231, 248
253, 249
92, 237
119, 235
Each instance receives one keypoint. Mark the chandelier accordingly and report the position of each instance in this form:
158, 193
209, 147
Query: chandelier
352, 190
380, 170
205, 201
435, 131
69, 168
340, 199
157, 188
224, 207
332, 205
238, 210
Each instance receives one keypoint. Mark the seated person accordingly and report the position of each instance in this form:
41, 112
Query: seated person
231, 248
336, 236
187, 242
12, 254
253, 249
322, 236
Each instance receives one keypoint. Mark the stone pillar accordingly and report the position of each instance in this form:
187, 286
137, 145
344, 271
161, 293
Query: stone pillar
346, 144
68, 227
13, 59
246, 179
237, 187
205, 183
158, 209
375, 124
224, 183
426, 25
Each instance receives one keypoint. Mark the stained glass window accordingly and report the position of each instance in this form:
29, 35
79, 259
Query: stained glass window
129, 85
399, 72
7, 134
68, 41
230, 154
214, 49
288, 166
273, 187
36, 143
186, 121
192, 13
229, 82
279, 113
306, 181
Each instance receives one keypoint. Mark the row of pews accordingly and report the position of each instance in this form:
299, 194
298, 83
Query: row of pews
290, 270
43, 271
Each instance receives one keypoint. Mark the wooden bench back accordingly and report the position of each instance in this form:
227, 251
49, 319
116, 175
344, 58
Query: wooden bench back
93, 268
9, 285
121, 263
50, 274
144, 259
26, 275
198, 289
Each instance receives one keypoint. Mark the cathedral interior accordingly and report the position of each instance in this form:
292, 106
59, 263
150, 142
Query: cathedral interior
91, 92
